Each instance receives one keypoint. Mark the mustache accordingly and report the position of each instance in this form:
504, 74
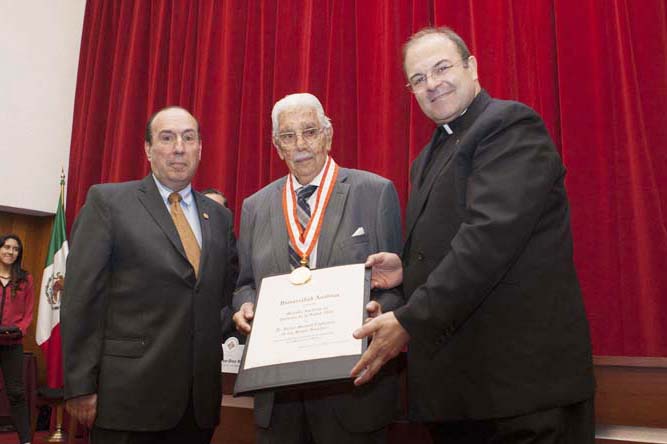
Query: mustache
299, 156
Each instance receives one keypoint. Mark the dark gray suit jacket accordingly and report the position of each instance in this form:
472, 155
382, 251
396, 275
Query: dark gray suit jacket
494, 309
359, 199
138, 328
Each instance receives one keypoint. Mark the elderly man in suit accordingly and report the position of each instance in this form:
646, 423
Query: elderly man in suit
148, 273
499, 347
362, 217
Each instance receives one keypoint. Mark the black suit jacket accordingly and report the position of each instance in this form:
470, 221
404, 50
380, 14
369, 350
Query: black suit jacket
494, 308
138, 328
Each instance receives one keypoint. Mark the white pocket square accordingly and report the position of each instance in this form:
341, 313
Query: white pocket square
360, 231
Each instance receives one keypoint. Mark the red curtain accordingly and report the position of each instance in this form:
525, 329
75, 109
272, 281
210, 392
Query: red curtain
595, 70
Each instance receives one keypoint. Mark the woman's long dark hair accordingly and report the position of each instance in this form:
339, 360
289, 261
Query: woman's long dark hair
17, 274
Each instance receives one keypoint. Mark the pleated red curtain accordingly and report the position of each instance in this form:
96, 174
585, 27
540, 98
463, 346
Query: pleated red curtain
612, 75
595, 70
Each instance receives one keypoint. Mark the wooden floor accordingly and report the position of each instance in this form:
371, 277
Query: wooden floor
40, 438
235, 430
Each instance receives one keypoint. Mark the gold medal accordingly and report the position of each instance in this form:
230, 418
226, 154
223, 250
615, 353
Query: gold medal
300, 276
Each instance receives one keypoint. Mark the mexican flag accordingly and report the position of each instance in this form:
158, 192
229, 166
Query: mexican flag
53, 280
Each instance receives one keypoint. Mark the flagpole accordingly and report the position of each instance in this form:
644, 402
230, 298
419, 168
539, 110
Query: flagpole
58, 435
62, 185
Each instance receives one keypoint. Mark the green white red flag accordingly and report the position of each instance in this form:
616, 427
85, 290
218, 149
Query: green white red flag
53, 281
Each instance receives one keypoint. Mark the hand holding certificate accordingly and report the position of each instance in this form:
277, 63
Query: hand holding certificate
303, 333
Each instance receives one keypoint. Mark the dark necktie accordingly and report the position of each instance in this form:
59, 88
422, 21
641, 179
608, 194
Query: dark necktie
188, 239
303, 214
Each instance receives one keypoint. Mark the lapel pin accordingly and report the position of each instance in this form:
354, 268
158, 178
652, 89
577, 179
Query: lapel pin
205, 215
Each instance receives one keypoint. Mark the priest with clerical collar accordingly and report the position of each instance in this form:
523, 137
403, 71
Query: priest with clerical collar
499, 349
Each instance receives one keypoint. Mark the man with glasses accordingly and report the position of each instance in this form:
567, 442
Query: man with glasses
498, 341
361, 216
147, 275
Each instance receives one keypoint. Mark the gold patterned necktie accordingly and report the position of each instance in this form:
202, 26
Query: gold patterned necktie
185, 232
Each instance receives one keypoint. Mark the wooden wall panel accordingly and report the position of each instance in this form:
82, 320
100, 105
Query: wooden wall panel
236, 426
631, 391
35, 232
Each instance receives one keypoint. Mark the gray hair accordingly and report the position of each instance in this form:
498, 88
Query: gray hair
298, 100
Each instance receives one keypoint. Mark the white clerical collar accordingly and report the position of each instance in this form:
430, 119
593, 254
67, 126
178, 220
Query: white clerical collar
186, 193
448, 128
316, 180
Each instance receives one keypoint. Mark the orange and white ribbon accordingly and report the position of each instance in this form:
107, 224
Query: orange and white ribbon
304, 240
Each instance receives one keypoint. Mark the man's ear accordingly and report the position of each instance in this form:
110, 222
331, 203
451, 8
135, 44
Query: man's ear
280, 152
328, 133
147, 148
472, 65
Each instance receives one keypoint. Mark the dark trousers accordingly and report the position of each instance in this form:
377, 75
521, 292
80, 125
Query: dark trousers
572, 424
297, 418
11, 361
186, 431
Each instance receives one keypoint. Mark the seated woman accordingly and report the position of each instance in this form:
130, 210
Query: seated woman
16, 303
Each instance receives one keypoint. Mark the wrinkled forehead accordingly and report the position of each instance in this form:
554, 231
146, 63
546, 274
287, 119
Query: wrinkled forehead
297, 117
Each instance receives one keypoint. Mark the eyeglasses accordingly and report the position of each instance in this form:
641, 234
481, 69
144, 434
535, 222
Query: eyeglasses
289, 139
169, 138
419, 82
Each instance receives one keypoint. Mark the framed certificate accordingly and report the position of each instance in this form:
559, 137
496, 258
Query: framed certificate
302, 334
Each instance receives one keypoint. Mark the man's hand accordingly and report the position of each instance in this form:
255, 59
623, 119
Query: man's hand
387, 270
83, 408
374, 310
243, 317
389, 338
